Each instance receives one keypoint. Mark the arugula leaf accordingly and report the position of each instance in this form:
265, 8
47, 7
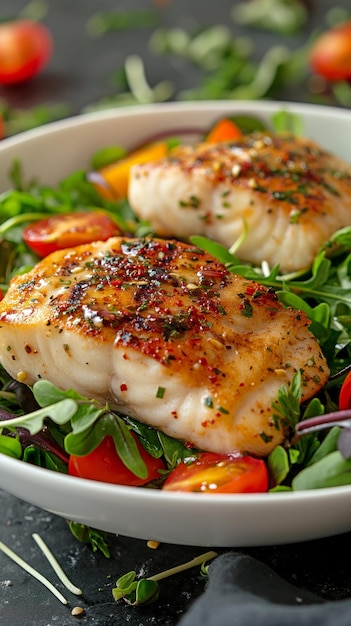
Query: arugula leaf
328, 445
302, 451
330, 471
319, 315
10, 446
42, 458
216, 249
45, 393
86, 534
147, 435
159, 444
285, 121
174, 451
87, 411
278, 465
307, 446
60, 412
90, 424
86, 440
341, 238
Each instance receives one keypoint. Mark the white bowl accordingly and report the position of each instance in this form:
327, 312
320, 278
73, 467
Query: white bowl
50, 153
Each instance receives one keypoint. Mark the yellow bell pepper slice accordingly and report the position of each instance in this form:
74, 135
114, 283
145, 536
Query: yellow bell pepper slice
115, 177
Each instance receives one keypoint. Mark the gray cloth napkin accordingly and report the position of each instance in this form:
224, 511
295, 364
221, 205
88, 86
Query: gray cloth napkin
242, 591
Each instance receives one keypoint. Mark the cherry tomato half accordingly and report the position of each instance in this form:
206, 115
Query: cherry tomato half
345, 394
68, 230
25, 48
219, 473
330, 56
104, 464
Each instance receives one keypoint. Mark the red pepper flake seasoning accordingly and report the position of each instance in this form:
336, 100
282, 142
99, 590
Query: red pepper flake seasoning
123, 387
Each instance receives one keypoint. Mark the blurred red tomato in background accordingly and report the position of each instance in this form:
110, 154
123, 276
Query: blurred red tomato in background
25, 48
330, 55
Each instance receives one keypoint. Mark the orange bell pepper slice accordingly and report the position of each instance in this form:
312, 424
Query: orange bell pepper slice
224, 130
115, 178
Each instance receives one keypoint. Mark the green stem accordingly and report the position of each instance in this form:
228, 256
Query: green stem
8, 395
12, 222
199, 560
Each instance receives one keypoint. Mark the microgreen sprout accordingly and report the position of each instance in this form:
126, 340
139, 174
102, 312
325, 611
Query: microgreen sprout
146, 590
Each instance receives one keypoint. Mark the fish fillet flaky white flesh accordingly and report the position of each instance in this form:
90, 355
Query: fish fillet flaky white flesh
292, 194
166, 334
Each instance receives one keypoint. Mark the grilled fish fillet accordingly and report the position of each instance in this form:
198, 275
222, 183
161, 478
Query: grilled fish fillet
166, 334
292, 194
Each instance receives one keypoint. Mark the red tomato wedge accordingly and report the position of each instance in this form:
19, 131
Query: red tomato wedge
68, 230
25, 49
219, 473
104, 464
330, 55
345, 394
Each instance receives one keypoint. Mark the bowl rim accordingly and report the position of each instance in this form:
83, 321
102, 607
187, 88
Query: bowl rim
91, 117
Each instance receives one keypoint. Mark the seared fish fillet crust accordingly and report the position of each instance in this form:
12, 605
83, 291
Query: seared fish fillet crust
166, 334
292, 194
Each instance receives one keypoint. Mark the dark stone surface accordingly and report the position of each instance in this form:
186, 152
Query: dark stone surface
24, 601
83, 69
79, 74
318, 566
